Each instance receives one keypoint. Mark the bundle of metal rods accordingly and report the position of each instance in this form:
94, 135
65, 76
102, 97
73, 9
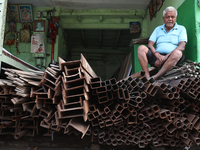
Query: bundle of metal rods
72, 99
188, 70
15, 119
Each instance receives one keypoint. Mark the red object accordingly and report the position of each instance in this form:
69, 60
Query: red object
53, 32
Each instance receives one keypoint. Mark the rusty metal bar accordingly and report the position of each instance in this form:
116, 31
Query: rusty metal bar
21, 133
79, 125
169, 127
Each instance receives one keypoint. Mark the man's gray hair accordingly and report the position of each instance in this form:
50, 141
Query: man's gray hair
170, 8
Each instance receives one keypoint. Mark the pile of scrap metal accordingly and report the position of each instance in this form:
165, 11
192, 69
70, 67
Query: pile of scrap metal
72, 99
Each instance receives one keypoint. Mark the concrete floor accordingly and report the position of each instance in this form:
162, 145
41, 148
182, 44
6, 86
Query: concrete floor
65, 142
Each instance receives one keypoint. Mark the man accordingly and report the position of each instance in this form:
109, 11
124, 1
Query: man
170, 39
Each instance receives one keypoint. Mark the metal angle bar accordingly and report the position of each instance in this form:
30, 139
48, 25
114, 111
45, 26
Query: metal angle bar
72, 77
45, 125
69, 113
76, 91
68, 64
73, 104
87, 67
74, 83
72, 71
79, 125
74, 98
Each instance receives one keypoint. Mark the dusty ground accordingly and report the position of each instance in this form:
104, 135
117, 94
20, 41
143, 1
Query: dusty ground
64, 142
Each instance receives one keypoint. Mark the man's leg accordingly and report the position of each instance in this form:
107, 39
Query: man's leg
142, 56
168, 65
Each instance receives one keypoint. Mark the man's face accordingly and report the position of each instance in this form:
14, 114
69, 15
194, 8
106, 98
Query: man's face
169, 19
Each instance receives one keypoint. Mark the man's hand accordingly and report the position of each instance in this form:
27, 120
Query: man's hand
158, 63
161, 58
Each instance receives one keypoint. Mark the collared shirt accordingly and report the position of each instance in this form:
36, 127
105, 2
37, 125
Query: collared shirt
165, 41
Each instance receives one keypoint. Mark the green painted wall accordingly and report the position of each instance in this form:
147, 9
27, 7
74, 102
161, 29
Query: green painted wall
62, 48
197, 27
25, 48
186, 17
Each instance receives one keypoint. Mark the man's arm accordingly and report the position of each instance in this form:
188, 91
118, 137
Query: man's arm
181, 47
150, 45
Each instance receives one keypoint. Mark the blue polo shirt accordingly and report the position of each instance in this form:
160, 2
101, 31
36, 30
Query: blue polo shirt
166, 42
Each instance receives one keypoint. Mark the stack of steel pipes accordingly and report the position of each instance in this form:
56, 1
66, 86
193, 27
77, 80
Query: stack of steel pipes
70, 98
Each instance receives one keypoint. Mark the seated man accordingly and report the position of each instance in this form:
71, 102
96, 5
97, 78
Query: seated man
170, 39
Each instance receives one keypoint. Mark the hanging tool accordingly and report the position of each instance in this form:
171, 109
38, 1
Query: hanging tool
53, 32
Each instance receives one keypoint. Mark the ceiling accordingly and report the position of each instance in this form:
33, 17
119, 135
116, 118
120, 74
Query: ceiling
87, 4
99, 39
